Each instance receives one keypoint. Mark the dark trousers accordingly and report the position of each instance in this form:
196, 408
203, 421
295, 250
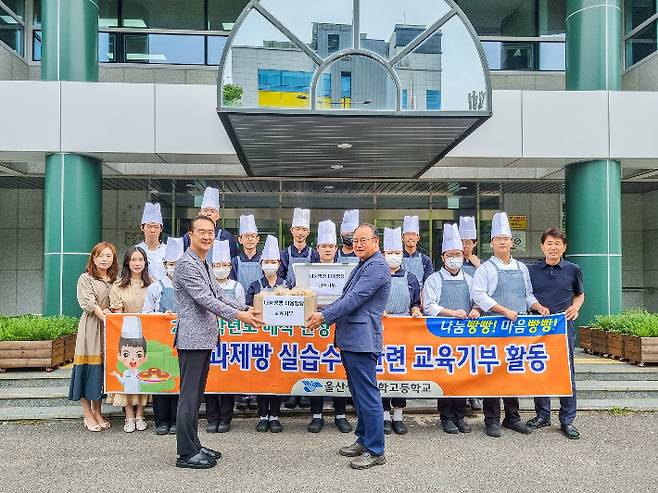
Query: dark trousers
361, 369
451, 409
396, 402
164, 409
567, 404
491, 408
269, 405
193, 366
219, 407
340, 405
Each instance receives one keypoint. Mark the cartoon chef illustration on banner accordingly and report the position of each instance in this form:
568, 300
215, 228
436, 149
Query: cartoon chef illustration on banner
132, 353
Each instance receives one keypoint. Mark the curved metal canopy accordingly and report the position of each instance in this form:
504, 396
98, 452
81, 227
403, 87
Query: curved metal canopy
351, 88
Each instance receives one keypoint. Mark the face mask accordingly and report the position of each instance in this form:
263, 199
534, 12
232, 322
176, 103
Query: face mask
170, 271
269, 269
347, 240
394, 260
221, 272
454, 263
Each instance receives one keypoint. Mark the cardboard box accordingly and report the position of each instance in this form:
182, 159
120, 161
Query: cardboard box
286, 309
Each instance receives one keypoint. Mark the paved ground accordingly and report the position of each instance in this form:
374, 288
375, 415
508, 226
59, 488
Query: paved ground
616, 453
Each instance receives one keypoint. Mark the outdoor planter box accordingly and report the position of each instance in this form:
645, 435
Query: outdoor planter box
33, 354
599, 341
585, 337
616, 344
69, 347
641, 349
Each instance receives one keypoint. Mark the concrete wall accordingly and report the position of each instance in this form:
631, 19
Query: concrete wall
539, 81
146, 74
649, 215
642, 77
12, 67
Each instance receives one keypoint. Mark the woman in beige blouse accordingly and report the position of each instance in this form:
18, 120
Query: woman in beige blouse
127, 296
94, 299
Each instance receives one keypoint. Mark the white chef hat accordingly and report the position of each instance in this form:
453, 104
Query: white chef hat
350, 221
131, 327
271, 249
174, 249
248, 225
392, 240
151, 214
467, 229
326, 233
221, 251
411, 225
301, 218
451, 238
500, 225
210, 199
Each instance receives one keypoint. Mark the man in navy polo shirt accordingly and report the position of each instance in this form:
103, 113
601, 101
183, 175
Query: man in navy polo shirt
558, 285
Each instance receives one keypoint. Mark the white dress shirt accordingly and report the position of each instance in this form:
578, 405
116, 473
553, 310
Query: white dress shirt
156, 260
485, 282
153, 295
432, 290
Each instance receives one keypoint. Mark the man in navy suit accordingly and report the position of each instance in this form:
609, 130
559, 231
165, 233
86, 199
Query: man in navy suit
358, 318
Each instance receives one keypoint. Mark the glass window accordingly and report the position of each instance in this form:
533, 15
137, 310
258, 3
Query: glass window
552, 56
404, 99
165, 48
108, 13
215, 49
641, 45
333, 42
11, 32
222, 14
163, 14
433, 99
552, 15
502, 17
106, 47
16, 6
638, 11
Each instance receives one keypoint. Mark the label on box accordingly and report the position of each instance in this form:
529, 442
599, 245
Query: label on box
284, 310
327, 283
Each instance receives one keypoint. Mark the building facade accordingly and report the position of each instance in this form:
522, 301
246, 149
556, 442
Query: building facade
148, 131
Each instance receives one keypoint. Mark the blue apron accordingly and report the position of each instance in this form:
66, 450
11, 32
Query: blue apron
415, 266
469, 268
455, 294
229, 293
399, 299
167, 299
248, 272
342, 259
510, 290
290, 275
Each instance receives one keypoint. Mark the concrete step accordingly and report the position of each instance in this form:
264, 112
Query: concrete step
616, 389
35, 378
35, 397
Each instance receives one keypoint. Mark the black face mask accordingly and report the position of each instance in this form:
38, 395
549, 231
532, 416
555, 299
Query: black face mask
347, 240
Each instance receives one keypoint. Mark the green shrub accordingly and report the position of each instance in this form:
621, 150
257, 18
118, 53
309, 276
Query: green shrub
34, 328
636, 321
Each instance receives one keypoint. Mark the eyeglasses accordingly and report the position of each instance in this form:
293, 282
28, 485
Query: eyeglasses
362, 241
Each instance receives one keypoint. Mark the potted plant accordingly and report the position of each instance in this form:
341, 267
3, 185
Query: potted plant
641, 341
599, 338
614, 327
585, 338
30, 341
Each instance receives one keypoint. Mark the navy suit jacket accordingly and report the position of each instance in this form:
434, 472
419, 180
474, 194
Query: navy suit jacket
358, 312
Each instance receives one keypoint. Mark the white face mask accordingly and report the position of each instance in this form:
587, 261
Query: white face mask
394, 260
269, 269
170, 271
221, 272
454, 263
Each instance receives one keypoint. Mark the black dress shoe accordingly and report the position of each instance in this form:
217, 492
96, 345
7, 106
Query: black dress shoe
263, 425
316, 424
198, 461
161, 430
172, 429
538, 422
475, 404
275, 426
449, 427
304, 402
223, 426
213, 454
493, 430
211, 427
242, 403
570, 431
343, 425
253, 403
518, 426
400, 428
388, 427
463, 426
290, 402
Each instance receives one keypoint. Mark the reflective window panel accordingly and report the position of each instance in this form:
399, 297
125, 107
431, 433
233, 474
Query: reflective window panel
182, 49
222, 14
11, 32
163, 14
641, 45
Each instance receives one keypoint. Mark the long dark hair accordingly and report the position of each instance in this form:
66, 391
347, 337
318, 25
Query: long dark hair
126, 273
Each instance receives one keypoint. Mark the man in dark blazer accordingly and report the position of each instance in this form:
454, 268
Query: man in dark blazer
199, 302
358, 318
